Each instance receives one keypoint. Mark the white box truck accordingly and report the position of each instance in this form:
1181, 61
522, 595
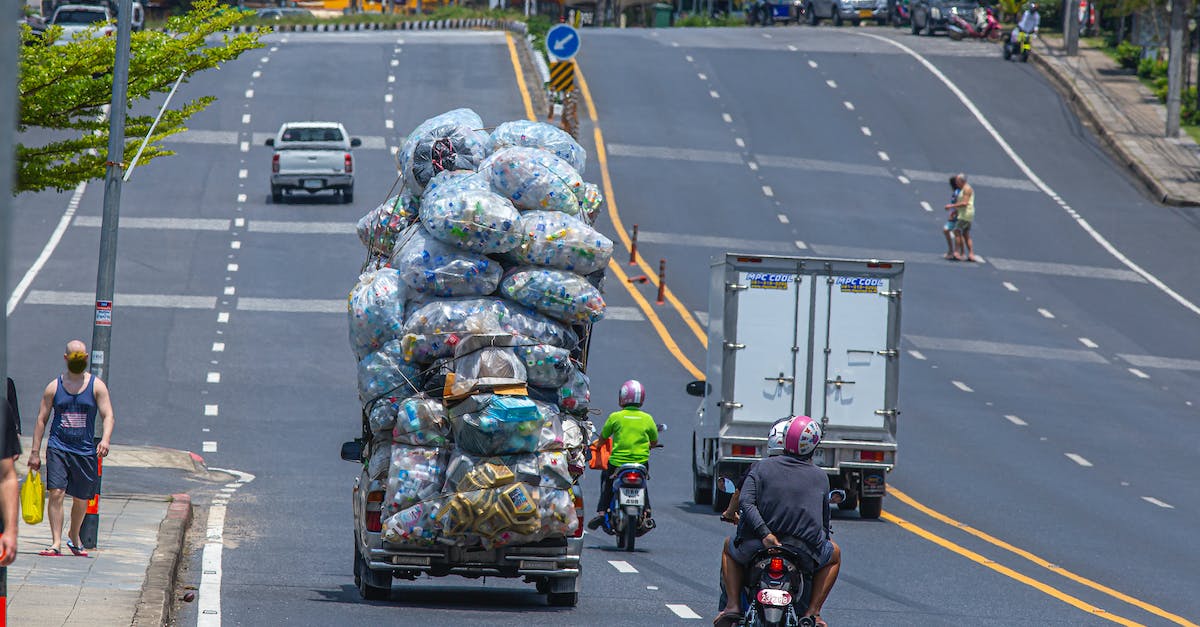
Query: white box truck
801, 335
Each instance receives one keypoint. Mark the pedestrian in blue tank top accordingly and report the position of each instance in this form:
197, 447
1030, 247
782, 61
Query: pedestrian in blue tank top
73, 400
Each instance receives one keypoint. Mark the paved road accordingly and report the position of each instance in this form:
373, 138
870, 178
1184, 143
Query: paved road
283, 398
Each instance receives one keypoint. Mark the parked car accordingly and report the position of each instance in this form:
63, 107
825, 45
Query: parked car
931, 16
840, 11
281, 13
77, 18
312, 157
35, 22
772, 11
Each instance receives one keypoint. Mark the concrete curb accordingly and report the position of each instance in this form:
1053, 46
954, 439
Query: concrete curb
477, 23
1084, 109
157, 601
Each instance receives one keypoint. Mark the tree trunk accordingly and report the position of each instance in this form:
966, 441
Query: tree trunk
1070, 27
1175, 65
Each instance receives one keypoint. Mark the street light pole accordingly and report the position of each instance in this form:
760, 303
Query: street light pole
8, 139
1179, 9
107, 269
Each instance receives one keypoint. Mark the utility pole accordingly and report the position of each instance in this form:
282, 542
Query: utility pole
1179, 10
1070, 27
8, 170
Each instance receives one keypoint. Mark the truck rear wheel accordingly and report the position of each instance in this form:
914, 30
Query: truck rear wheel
369, 584
562, 599
276, 194
870, 507
701, 492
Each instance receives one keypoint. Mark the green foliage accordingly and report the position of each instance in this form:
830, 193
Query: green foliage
538, 26
703, 21
1190, 111
1151, 69
64, 88
1129, 55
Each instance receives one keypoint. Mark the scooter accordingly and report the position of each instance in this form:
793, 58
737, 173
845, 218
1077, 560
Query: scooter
899, 14
625, 517
959, 28
1020, 49
778, 582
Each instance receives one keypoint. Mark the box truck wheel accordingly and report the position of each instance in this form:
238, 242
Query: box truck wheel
701, 490
870, 507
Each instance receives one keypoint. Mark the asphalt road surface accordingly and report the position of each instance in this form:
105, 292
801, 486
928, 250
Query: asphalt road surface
1048, 435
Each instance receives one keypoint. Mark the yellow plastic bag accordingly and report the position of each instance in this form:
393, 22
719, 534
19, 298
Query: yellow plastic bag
33, 498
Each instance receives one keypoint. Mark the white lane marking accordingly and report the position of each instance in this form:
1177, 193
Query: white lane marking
1046, 313
801, 245
728, 118
766, 36
233, 267
245, 118
962, 386
387, 97
280, 226
622, 567
208, 601
753, 166
740, 142
702, 76
293, 305
1078, 459
256, 74
624, 314
916, 354
926, 206
395, 62
689, 58
682, 611
714, 94
83, 299
1138, 373
782, 219
1016, 421
713, 241
674, 44
239, 222
241, 198
265, 60
1153, 501
391, 78
389, 123
1010, 287
47, 250
218, 347
812, 64
903, 180
832, 84
1088, 343
210, 410
243, 173
230, 290
208, 446
1035, 179
223, 317
767, 191
245, 146
249, 93
205, 430
652, 587
865, 130
849, 105
213, 377
1166, 363
274, 48
160, 224
883, 156
793, 49
1002, 349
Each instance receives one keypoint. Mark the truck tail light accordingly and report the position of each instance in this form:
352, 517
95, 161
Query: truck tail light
871, 456
349, 163
375, 511
743, 450
579, 515
275, 164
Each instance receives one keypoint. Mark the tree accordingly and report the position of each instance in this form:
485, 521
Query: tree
65, 87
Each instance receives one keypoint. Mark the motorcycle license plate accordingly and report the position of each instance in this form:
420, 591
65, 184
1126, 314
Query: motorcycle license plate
776, 598
313, 183
631, 496
864, 13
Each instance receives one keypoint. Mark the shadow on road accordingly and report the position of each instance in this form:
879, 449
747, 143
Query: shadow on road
465, 598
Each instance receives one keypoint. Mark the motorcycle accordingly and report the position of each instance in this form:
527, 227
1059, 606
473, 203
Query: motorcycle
1020, 49
959, 28
778, 582
625, 517
899, 15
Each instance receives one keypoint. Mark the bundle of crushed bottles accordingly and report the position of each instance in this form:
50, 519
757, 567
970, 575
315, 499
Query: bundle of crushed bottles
483, 279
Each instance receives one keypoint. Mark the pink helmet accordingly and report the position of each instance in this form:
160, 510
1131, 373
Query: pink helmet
632, 393
803, 436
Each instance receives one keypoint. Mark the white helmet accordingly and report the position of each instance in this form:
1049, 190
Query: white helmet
775, 439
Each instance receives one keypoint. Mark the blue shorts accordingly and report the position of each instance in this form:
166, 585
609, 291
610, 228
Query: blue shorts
72, 472
949, 225
744, 551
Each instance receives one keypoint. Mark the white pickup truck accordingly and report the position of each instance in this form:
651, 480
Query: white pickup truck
79, 17
312, 157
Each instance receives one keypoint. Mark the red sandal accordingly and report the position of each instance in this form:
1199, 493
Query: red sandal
50, 552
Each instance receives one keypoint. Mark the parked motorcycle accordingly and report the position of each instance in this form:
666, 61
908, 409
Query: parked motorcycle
1019, 49
625, 517
899, 14
959, 28
778, 582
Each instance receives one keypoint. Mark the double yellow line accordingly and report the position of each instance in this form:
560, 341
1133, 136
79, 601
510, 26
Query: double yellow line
917, 530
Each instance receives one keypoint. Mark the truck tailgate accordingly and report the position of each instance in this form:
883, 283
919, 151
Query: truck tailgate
309, 161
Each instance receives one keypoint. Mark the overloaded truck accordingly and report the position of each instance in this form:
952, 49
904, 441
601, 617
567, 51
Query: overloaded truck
801, 335
470, 324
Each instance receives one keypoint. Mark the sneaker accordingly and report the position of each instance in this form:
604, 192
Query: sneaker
595, 522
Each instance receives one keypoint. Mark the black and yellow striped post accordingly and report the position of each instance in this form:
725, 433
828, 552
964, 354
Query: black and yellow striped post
562, 76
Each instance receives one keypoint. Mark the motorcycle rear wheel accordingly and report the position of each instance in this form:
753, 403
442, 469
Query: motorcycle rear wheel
629, 535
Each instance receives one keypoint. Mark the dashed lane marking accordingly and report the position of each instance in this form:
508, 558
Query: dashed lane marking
241, 198
243, 173
1010, 287
753, 166
211, 410
249, 93
728, 118
622, 566
832, 84
1138, 373
849, 105
812, 64
783, 219
767, 191
689, 58
395, 62
256, 74
741, 143
387, 97
1046, 313
223, 317
245, 146
1153, 501
1016, 420
962, 386
1078, 459
218, 347
918, 355
883, 156
682, 611
1088, 343
230, 290
801, 245
213, 377
232, 267
903, 180
865, 130
389, 123
245, 118
714, 94
926, 206
702, 76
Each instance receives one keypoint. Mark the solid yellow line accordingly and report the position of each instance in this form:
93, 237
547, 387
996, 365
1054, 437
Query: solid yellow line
521, 86
617, 270
1004, 570
908, 500
615, 216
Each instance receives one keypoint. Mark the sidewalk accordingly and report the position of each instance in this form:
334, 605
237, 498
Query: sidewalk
1127, 116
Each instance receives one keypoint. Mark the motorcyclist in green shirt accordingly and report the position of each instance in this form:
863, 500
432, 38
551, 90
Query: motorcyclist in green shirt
633, 433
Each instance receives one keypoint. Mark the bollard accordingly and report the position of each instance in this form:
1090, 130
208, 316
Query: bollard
662, 282
633, 247
641, 278
89, 531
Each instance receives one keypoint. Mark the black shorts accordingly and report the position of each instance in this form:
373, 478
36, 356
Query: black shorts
72, 472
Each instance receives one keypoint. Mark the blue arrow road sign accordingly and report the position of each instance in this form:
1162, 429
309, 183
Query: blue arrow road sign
563, 42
